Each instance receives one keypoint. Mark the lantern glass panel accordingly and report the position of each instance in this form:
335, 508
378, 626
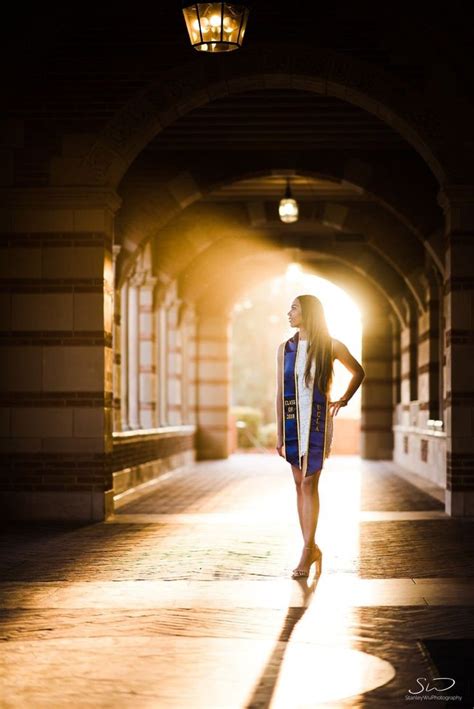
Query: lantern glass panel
192, 23
235, 21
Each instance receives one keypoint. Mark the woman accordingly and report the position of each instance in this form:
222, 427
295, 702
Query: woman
304, 412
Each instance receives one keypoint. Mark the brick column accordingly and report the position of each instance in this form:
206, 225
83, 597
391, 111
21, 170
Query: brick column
174, 364
377, 402
214, 386
56, 356
410, 349
396, 365
147, 355
162, 368
409, 370
428, 358
192, 368
124, 357
186, 325
133, 352
116, 348
458, 204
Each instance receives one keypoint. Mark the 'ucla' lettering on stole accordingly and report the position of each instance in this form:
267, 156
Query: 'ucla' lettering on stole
318, 416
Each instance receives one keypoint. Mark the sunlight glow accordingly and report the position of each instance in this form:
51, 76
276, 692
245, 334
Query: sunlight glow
342, 315
344, 323
293, 273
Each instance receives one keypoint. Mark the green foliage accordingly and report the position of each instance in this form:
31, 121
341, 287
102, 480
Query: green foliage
247, 437
268, 435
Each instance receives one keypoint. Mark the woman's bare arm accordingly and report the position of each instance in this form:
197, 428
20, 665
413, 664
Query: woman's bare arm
358, 373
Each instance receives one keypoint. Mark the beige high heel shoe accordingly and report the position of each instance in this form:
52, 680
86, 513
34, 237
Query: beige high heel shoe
317, 557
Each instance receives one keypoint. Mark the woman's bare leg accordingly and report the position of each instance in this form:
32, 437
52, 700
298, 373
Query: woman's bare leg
298, 477
307, 494
310, 494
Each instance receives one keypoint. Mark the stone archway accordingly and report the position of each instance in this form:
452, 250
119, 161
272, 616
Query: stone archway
79, 211
317, 70
143, 214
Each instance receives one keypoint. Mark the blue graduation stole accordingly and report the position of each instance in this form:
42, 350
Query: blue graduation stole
318, 419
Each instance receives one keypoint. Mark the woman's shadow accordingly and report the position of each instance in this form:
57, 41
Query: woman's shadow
264, 689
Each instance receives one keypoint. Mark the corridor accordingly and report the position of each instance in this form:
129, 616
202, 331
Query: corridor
184, 597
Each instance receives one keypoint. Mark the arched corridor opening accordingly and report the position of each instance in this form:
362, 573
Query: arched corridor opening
171, 200
151, 527
259, 324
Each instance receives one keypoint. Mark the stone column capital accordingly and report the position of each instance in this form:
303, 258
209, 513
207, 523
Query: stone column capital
137, 279
149, 282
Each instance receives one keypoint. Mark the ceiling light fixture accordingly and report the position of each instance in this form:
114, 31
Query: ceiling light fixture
215, 26
288, 209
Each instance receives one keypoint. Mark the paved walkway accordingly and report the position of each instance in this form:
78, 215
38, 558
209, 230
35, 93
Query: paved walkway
183, 599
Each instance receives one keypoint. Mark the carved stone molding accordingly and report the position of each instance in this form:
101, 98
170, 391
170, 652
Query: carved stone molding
149, 282
138, 279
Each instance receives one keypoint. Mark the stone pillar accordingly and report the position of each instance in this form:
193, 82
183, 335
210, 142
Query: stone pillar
428, 358
192, 368
214, 386
147, 355
188, 328
116, 347
458, 205
412, 351
56, 365
409, 370
133, 352
162, 356
174, 364
396, 364
124, 357
377, 402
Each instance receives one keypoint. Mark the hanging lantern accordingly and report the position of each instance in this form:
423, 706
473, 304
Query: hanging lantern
288, 209
215, 26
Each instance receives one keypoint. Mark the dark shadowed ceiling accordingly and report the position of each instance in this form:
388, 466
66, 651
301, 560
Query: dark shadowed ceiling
278, 120
69, 68
94, 55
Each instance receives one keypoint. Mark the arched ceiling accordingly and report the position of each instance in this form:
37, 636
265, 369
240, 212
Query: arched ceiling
360, 107
205, 193
219, 288
277, 119
261, 266
156, 190
211, 245
239, 150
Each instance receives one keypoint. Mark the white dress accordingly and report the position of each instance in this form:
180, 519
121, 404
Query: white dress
304, 395
304, 403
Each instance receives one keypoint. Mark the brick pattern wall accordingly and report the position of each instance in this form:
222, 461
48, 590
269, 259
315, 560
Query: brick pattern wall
213, 386
56, 272
377, 389
458, 204
145, 448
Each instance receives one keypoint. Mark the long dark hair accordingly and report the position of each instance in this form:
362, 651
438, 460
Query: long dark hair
319, 347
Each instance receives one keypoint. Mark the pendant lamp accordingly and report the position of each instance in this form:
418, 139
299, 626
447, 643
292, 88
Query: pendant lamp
215, 26
288, 209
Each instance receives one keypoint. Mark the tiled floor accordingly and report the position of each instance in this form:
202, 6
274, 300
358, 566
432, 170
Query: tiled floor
184, 599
